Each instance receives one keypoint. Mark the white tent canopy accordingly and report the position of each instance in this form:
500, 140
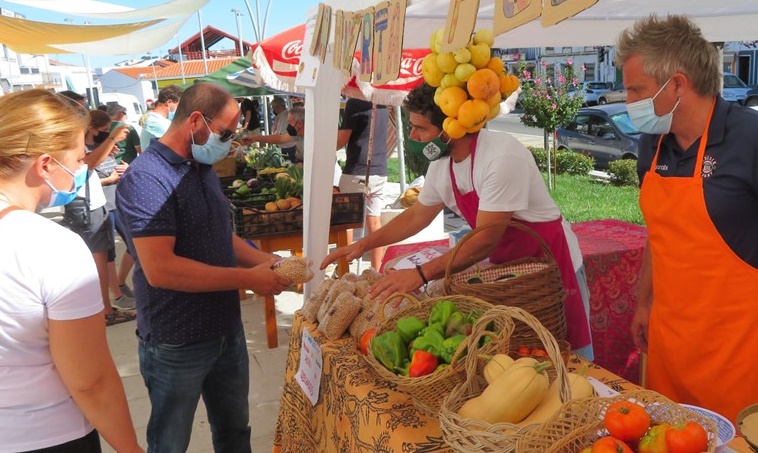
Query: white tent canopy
727, 20
104, 10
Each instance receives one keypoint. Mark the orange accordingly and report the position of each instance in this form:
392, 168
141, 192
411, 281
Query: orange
496, 64
453, 128
494, 100
473, 112
483, 84
508, 84
450, 100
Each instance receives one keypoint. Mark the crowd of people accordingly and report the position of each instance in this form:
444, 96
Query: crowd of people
60, 390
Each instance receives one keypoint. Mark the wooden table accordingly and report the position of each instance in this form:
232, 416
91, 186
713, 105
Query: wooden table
294, 242
358, 413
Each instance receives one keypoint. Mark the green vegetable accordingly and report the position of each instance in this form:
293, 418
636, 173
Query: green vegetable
449, 347
441, 312
409, 327
430, 339
389, 349
242, 190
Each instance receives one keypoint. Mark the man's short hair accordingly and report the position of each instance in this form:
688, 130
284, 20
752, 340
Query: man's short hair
420, 100
204, 97
297, 114
278, 101
170, 93
115, 109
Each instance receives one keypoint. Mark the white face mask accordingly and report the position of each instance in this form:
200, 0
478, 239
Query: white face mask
642, 114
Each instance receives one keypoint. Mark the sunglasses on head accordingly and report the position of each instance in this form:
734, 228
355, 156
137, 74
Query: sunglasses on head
226, 134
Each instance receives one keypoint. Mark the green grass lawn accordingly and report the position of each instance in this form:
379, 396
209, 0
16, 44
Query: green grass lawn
581, 198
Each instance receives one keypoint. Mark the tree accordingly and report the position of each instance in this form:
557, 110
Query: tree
550, 102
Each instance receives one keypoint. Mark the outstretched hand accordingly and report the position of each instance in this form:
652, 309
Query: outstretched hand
350, 252
395, 281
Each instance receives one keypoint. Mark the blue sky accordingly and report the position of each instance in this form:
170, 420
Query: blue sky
283, 14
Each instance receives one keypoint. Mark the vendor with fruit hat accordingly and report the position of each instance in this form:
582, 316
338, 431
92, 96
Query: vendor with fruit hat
484, 176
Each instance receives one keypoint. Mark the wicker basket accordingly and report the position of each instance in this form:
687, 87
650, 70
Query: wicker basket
466, 435
428, 391
580, 422
537, 286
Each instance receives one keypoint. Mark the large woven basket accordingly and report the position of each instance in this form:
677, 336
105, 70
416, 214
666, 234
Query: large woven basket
428, 391
467, 435
580, 422
537, 286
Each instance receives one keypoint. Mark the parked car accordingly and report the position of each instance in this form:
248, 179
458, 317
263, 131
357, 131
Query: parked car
604, 132
751, 98
735, 89
617, 94
593, 90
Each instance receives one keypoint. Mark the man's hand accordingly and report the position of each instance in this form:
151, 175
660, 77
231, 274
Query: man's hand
121, 168
396, 281
350, 252
120, 133
639, 326
264, 281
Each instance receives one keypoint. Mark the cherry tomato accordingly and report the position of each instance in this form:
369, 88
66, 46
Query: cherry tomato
523, 350
609, 444
626, 420
688, 437
366, 340
654, 441
538, 352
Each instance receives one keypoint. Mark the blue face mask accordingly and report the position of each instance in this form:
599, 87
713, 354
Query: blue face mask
642, 114
61, 197
214, 149
171, 114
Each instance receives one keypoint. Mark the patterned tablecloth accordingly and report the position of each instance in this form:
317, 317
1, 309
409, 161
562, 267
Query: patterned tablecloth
612, 252
357, 412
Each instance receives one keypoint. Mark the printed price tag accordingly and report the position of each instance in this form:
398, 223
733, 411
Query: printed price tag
310, 369
419, 257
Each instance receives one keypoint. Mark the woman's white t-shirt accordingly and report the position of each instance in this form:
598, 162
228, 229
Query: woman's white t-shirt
46, 272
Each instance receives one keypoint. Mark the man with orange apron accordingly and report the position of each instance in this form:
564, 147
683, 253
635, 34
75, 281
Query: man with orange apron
696, 313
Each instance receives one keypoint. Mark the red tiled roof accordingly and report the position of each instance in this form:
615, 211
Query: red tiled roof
135, 73
193, 68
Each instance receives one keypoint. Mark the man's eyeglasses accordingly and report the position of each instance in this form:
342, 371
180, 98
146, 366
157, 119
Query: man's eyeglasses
226, 134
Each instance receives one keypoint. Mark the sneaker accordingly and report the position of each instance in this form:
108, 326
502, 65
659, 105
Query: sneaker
124, 303
126, 291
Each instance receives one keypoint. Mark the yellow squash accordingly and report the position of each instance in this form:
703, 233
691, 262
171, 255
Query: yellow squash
496, 365
580, 388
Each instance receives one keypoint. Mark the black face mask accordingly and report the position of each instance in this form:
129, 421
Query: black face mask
291, 130
101, 136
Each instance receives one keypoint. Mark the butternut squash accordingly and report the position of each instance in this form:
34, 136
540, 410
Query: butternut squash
496, 365
580, 388
512, 396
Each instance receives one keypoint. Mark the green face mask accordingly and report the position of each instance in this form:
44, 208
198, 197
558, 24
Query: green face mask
431, 150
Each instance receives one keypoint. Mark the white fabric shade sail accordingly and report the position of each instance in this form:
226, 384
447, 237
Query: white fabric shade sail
103, 10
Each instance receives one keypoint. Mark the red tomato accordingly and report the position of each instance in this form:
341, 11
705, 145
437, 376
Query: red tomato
609, 444
523, 350
626, 420
366, 340
538, 352
655, 440
688, 437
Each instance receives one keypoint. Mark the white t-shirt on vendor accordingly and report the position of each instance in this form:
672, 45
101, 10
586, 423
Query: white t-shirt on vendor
505, 177
46, 272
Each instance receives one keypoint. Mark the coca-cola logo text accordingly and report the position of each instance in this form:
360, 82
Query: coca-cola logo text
292, 50
410, 67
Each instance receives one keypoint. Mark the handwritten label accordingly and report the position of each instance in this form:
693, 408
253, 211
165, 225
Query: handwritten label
311, 366
418, 257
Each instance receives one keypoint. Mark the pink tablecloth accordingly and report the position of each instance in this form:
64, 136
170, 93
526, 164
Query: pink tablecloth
612, 252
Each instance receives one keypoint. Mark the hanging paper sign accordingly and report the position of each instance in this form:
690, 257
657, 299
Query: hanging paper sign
510, 14
367, 45
311, 365
381, 41
321, 32
339, 32
554, 11
388, 41
351, 31
459, 25
307, 69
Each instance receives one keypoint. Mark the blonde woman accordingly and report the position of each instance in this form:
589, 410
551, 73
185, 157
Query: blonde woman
59, 387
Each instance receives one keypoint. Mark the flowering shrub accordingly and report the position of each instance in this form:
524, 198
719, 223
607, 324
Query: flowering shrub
549, 102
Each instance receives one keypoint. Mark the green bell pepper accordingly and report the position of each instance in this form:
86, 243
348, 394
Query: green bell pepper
409, 327
451, 345
389, 349
441, 312
430, 339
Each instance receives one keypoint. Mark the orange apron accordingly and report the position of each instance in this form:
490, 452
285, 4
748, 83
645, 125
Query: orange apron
702, 337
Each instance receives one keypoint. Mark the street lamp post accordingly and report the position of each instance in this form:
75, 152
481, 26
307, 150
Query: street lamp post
237, 15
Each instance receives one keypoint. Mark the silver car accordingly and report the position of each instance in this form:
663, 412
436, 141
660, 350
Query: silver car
604, 132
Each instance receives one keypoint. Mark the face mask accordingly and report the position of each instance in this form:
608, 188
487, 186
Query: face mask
430, 151
100, 137
214, 149
642, 114
171, 114
60, 197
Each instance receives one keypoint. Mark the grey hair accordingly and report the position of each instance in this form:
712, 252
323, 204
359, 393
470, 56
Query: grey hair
298, 114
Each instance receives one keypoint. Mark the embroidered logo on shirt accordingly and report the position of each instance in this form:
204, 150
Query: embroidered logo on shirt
663, 167
709, 166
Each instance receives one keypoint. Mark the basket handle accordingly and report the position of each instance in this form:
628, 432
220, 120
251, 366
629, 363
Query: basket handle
547, 339
410, 297
510, 224
477, 332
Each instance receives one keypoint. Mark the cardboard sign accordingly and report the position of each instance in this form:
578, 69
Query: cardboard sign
339, 32
351, 29
388, 41
418, 257
321, 32
554, 11
510, 14
311, 367
367, 44
307, 70
459, 25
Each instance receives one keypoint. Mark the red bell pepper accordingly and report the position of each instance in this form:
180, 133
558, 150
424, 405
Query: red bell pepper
422, 363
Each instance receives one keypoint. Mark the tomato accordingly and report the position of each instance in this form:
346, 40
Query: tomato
655, 440
626, 420
688, 437
366, 340
538, 352
609, 444
523, 350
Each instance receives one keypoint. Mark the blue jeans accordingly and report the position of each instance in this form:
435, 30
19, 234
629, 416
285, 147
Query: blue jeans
177, 375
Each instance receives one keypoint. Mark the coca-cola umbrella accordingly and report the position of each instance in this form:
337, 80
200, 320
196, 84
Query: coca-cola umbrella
276, 59
394, 92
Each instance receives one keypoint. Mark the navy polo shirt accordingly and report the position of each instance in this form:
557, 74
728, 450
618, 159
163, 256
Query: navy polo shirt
730, 173
164, 194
